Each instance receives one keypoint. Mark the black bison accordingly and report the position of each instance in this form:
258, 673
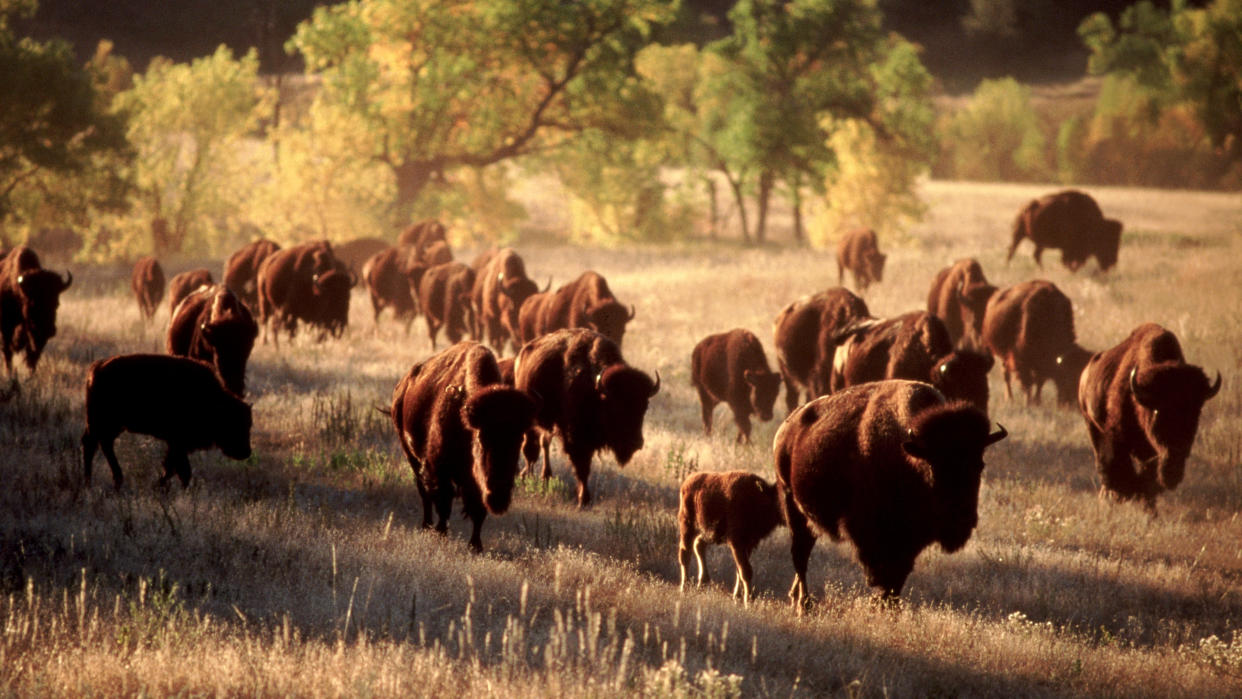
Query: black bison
736, 508
182, 284
29, 299
959, 296
585, 302
147, 282
911, 346
214, 326
449, 408
1141, 402
890, 464
177, 400
588, 395
304, 283
444, 293
355, 253
858, 252
731, 368
1029, 327
392, 278
1071, 221
804, 332
500, 288
241, 270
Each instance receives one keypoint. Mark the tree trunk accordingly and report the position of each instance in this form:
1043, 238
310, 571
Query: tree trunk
766, 181
740, 200
795, 195
412, 178
714, 204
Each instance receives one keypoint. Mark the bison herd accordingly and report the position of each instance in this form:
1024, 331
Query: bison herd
886, 423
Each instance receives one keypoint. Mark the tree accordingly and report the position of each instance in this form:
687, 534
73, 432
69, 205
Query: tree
436, 85
187, 122
996, 135
1185, 56
54, 123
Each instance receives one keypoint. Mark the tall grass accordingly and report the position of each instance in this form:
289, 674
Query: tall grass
303, 570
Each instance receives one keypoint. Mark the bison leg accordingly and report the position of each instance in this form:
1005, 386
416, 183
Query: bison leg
545, 441
105, 445
581, 463
477, 513
742, 417
685, 543
176, 463
741, 559
1039, 251
707, 405
700, 557
791, 390
801, 541
89, 445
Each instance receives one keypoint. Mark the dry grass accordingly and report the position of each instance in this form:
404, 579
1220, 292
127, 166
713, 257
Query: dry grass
303, 570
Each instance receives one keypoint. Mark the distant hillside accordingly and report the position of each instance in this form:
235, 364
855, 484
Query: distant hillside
1033, 40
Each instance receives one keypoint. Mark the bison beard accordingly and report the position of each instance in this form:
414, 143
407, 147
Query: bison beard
892, 465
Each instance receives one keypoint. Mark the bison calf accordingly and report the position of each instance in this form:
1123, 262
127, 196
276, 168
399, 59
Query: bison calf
147, 282
731, 368
174, 399
860, 254
736, 508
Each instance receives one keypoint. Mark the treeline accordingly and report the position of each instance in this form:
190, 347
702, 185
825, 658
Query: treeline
412, 109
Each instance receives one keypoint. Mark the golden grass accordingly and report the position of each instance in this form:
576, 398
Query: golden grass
303, 570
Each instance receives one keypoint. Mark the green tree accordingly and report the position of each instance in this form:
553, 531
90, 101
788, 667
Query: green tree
996, 135
1184, 55
437, 85
188, 122
54, 126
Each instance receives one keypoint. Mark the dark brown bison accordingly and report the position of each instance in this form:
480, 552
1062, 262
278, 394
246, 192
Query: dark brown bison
355, 253
214, 326
241, 270
804, 332
437, 253
736, 508
392, 278
182, 284
587, 395
29, 299
1071, 221
304, 283
732, 368
444, 293
1142, 401
147, 281
911, 346
177, 400
585, 302
422, 234
860, 254
448, 408
890, 464
500, 287
1030, 328
959, 296
531, 314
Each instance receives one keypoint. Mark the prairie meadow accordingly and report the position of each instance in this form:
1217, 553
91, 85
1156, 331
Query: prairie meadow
303, 570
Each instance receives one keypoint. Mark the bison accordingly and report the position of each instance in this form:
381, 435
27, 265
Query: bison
500, 287
588, 396
392, 282
1030, 328
859, 253
177, 400
804, 332
892, 465
911, 346
214, 326
736, 508
421, 235
959, 296
147, 281
731, 368
444, 292
448, 409
1142, 402
29, 298
1071, 221
241, 270
304, 283
585, 302
182, 284
531, 314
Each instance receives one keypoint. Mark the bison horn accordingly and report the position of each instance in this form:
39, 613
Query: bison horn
599, 382
1214, 388
996, 436
1142, 395
631, 315
68, 279
549, 285
353, 279
656, 388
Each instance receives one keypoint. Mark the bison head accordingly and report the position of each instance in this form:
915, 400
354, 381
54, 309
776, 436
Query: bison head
1069, 366
1108, 243
764, 386
875, 265
331, 290
231, 337
1172, 395
608, 319
232, 427
41, 290
963, 375
623, 392
500, 417
974, 297
951, 438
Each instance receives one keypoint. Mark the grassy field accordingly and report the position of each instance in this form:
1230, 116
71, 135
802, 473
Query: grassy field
303, 570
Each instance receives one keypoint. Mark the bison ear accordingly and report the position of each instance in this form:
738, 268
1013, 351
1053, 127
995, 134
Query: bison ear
656, 388
1213, 389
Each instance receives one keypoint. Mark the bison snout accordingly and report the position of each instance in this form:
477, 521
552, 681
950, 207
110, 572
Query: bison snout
497, 502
